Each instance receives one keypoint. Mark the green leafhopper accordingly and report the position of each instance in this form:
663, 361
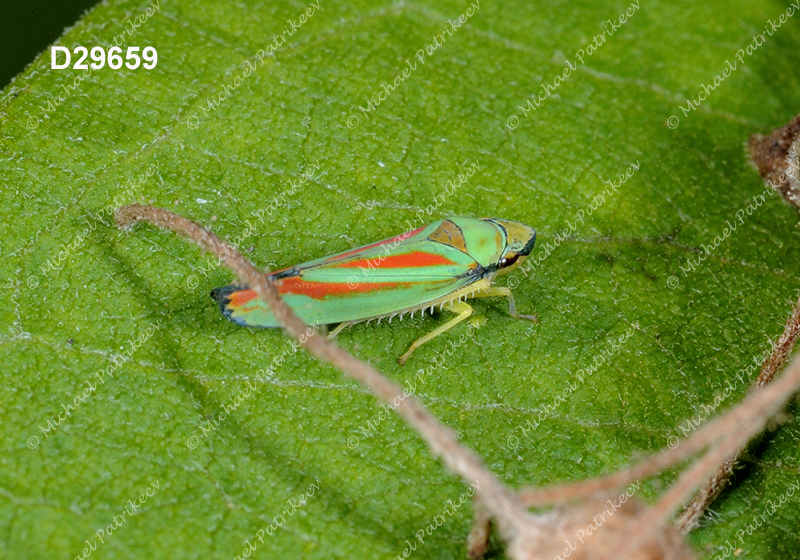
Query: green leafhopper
438, 265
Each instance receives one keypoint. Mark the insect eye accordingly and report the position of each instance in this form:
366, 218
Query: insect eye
508, 260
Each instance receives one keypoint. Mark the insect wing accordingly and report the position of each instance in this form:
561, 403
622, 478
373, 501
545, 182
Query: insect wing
379, 279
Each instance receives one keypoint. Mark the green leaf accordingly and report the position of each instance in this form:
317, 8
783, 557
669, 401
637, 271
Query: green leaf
73, 300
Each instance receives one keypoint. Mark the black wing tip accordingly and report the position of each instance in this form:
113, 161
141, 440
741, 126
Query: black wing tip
222, 296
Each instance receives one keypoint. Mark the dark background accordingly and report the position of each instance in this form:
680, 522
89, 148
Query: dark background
27, 27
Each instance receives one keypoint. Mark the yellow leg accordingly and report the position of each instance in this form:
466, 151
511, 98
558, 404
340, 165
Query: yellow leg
505, 292
459, 307
338, 329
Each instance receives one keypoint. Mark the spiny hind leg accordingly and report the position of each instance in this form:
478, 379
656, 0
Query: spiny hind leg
498, 291
339, 329
459, 307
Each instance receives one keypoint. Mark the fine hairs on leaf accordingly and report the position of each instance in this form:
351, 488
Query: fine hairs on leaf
634, 530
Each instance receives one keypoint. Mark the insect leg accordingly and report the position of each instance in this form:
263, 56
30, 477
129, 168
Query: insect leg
463, 311
505, 292
338, 329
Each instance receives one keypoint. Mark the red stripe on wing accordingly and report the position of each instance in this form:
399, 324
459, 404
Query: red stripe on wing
321, 290
240, 297
316, 290
408, 260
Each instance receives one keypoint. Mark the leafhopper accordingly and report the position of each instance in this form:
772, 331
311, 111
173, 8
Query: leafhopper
438, 265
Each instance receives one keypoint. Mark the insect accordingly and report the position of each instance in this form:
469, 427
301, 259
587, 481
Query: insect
438, 265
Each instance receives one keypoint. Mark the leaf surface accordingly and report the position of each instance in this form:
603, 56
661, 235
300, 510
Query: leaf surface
225, 149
